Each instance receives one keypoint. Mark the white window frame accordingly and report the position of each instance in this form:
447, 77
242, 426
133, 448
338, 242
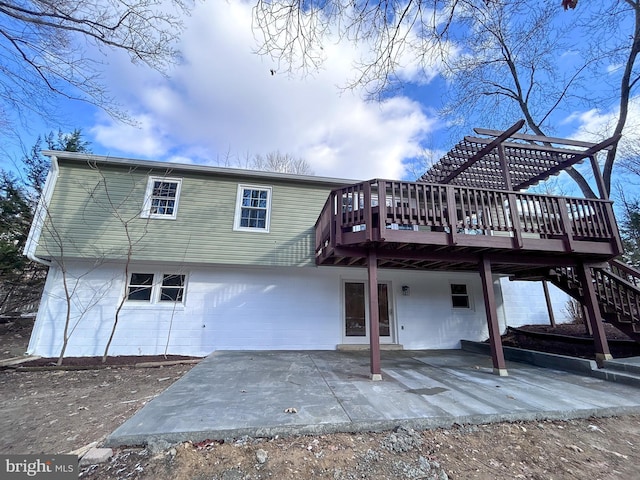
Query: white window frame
157, 288
467, 295
239, 207
146, 208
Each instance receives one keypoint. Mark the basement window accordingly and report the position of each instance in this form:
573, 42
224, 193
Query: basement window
156, 287
172, 289
460, 296
140, 287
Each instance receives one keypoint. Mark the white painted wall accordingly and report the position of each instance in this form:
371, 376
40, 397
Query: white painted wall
251, 309
524, 303
425, 318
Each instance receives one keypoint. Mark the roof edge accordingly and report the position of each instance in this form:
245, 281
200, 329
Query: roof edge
188, 167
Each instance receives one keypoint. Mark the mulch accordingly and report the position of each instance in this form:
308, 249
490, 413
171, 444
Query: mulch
569, 339
114, 362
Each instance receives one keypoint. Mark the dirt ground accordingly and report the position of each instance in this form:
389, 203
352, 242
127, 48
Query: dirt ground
58, 411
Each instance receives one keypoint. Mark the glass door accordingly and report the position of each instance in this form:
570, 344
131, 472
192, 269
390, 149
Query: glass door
356, 313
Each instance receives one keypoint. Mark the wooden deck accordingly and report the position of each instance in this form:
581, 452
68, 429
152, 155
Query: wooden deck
449, 227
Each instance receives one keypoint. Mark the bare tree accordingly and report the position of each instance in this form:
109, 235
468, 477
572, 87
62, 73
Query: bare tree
128, 220
56, 245
271, 162
62, 248
420, 164
503, 59
282, 163
52, 49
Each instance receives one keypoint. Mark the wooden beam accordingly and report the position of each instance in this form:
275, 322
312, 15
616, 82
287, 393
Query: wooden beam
547, 299
523, 146
592, 307
495, 342
597, 174
374, 316
484, 150
536, 138
445, 255
569, 162
504, 165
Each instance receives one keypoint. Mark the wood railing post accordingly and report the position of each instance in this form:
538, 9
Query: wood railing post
368, 218
613, 228
515, 221
567, 225
382, 204
338, 218
451, 214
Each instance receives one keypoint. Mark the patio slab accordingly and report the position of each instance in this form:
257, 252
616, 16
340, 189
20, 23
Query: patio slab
231, 394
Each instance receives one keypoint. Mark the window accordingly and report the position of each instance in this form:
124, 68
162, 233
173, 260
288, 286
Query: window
161, 198
140, 286
172, 289
147, 287
459, 296
253, 208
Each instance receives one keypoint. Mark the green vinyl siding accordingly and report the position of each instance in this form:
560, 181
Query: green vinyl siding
94, 209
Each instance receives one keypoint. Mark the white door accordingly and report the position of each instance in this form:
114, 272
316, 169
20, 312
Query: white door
356, 312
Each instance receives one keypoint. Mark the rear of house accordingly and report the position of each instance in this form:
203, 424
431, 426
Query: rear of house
192, 259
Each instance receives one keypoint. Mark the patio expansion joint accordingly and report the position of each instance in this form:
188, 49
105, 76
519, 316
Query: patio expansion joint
324, 379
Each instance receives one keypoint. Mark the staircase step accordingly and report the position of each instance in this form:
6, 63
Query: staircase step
627, 378
627, 365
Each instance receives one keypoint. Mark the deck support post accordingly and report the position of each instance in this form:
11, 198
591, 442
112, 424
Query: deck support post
374, 316
495, 342
504, 165
597, 174
593, 312
547, 298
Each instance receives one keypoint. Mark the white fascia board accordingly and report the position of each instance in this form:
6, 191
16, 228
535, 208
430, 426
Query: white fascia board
236, 172
40, 215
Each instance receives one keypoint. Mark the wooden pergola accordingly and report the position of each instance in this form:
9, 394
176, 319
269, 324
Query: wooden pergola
362, 225
512, 161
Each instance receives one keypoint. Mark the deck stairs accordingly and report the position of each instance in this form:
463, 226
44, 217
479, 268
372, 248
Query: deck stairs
617, 287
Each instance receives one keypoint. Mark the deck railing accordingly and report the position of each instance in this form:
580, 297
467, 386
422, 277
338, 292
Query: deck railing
368, 211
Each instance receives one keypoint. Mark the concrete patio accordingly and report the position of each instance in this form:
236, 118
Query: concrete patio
231, 394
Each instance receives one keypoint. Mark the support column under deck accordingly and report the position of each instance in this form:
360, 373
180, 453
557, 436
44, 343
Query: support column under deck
374, 325
547, 299
495, 342
593, 314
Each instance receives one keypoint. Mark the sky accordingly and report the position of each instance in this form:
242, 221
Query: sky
222, 104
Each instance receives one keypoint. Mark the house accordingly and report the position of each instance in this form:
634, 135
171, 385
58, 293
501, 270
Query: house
190, 259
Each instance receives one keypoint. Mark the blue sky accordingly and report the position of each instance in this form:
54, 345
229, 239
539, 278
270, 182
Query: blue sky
222, 105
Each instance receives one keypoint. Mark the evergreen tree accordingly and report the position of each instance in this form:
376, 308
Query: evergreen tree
17, 274
630, 231
21, 281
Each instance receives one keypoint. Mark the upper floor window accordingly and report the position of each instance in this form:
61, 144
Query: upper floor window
253, 208
161, 198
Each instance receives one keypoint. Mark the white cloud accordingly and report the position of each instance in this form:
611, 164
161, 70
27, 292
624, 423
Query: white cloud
145, 139
596, 125
614, 67
223, 100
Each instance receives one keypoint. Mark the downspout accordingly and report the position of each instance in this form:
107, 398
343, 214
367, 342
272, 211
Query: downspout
40, 215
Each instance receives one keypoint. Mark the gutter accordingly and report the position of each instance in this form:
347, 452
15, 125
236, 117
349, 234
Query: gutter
40, 215
196, 168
